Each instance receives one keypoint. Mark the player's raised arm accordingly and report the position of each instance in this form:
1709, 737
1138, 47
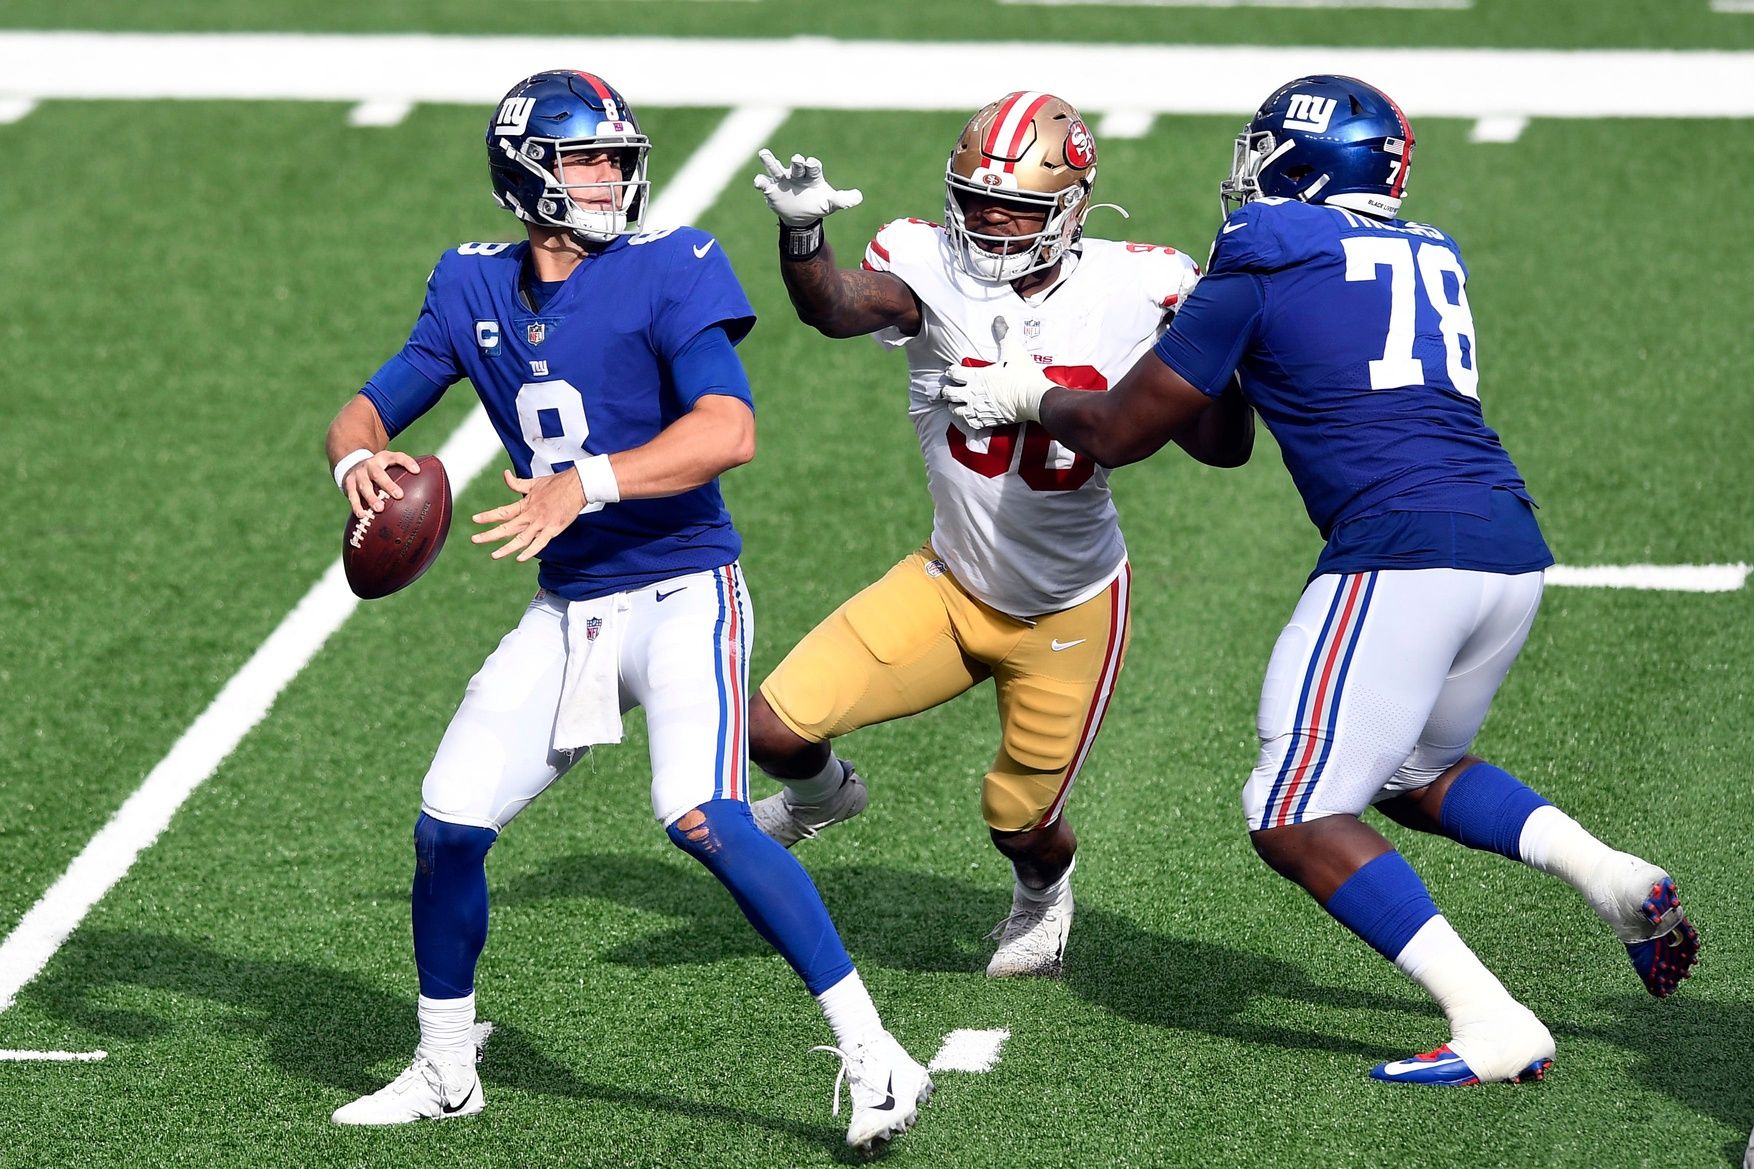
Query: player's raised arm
838, 302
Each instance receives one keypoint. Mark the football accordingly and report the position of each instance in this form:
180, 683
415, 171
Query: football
388, 550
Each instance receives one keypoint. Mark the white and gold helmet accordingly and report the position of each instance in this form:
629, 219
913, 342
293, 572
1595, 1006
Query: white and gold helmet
1031, 148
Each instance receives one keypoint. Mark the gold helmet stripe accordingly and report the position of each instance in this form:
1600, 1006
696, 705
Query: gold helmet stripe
1006, 140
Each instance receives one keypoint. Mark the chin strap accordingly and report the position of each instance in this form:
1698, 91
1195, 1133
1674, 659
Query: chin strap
1111, 206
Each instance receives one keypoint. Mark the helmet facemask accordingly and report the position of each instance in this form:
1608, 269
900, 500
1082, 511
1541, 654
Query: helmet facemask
590, 220
995, 257
1255, 151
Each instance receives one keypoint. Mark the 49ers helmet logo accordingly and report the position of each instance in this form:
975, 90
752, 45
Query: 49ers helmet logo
1080, 146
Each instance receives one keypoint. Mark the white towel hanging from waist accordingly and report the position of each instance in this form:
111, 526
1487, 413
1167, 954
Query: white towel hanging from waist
590, 696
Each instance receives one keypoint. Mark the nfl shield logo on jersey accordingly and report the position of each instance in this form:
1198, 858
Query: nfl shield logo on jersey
535, 332
593, 626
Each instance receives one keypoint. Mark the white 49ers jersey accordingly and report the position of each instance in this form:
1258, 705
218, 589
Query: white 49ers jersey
1026, 525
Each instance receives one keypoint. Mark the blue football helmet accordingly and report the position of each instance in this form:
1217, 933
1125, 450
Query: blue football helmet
1324, 139
565, 111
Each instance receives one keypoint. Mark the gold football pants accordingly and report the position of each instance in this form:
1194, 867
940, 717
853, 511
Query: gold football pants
915, 639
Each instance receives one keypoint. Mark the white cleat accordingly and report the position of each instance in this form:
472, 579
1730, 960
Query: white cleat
887, 1085
428, 1089
1032, 938
788, 821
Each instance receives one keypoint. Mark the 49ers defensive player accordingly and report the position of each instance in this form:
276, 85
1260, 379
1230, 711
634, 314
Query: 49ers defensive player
1025, 578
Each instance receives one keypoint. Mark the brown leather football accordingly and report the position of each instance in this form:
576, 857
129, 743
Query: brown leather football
389, 549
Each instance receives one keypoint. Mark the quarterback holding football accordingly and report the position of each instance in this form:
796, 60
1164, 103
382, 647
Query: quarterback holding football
1025, 577
604, 357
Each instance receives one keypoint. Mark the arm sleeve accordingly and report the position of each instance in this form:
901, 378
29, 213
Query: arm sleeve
708, 364
1213, 330
407, 385
401, 393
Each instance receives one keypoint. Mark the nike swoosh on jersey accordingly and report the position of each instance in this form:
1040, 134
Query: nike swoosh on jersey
701, 251
1414, 1065
1059, 645
1228, 228
668, 595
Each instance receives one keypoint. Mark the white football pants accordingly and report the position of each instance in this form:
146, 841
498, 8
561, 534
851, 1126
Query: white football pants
684, 658
1379, 683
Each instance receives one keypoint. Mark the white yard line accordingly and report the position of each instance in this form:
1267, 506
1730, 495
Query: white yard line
969, 1051
1125, 124
1500, 128
380, 112
52, 1056
1742, 7
13, 109
247, 697
826, 74
1675, 578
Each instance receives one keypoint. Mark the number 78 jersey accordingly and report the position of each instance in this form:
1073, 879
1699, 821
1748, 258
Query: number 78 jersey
1354, 340
1025, 525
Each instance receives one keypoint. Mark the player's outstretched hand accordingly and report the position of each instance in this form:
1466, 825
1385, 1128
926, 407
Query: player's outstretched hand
368, 477
993, 395
550, 503
798, 194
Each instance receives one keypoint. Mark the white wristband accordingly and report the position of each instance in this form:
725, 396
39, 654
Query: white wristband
347, 463
597, 477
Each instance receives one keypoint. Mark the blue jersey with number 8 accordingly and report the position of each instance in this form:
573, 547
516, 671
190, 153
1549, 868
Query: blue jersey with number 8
1353, 339
588, 373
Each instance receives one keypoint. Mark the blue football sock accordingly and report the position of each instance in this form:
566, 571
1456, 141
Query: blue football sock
1486, 808
450, 904
771, 888
1384, 903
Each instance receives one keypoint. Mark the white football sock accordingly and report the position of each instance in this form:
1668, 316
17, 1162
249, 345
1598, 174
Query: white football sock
1555, 843
1438, 960
850, 1012
816, 788
1495, 1034
447, 1028
1615, 883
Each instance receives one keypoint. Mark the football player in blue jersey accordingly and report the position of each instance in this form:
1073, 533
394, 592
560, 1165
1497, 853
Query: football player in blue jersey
604, 358
1352, 336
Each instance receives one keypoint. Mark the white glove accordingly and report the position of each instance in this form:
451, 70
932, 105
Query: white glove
799, 196
993, 395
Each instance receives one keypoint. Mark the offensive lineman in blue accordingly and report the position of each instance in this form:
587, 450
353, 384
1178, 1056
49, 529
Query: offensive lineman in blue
604, 358
1351, 334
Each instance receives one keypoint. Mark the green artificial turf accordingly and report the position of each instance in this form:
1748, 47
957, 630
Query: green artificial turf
165, 504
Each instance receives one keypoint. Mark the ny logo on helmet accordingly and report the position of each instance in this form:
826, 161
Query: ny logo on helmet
514, 115
1309, 112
